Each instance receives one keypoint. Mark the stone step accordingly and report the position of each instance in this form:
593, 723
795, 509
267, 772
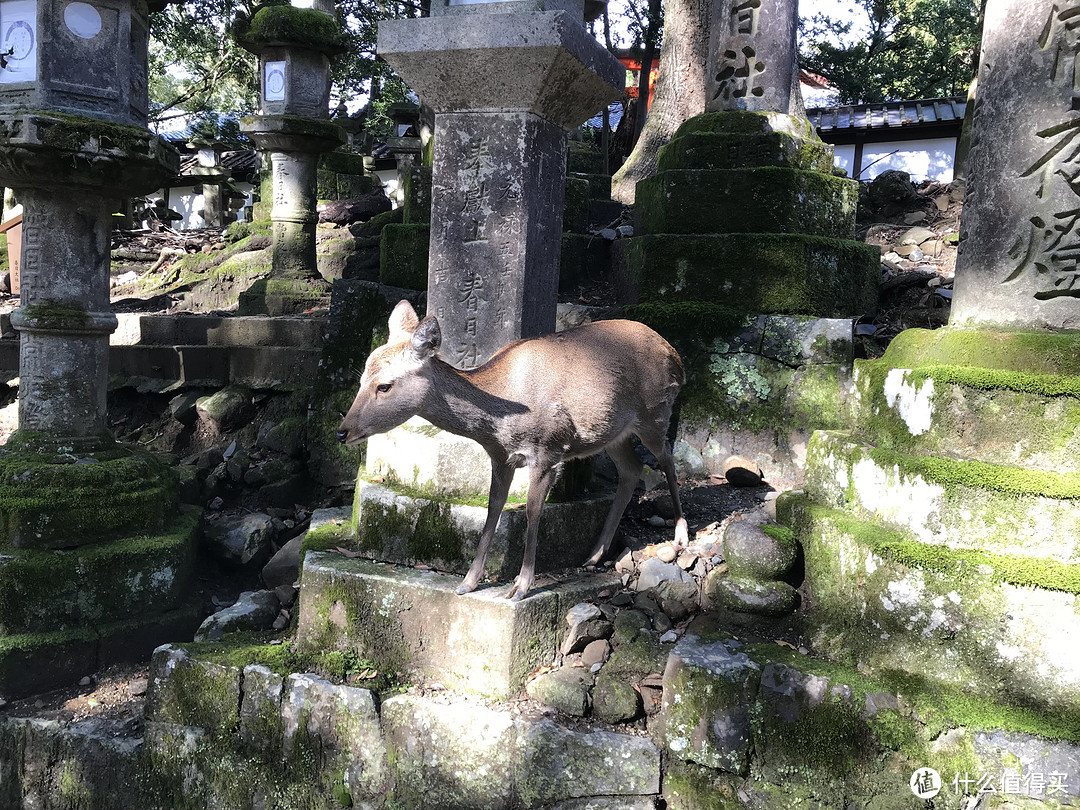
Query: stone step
407, 620
764, 272
1032, 515
754, 200
1000, 624
390, 525
811, 733
159, 368
940, 395
216, 330
44, 591
31, 663
215, 723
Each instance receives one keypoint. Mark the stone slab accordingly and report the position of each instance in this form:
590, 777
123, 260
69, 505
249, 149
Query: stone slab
1015, 263
532, 58
730, 150
942, 412
769, 199
936, 507
160, 368
961, 625
31, 663
411, 621
393, 527
423, 457
766, 273
215, 330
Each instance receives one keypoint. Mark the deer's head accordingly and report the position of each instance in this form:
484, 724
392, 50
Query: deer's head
393, 386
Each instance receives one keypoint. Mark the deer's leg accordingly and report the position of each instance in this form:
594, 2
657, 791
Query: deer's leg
659, 447
502, 475
629, 466
540, 483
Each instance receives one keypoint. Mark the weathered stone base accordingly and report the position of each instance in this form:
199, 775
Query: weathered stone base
770, 199
742, 726
972, 505
47, 591
412, 621
1002, 397
770, 273
1001, 625
37, 662
284, 296
46, 496
757, 726
390, 526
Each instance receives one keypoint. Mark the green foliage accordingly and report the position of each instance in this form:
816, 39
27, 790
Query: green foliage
911, 49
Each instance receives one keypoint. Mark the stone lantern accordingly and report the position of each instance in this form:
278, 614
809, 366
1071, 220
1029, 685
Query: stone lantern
73, 144
77, 58
294, 44
507, 81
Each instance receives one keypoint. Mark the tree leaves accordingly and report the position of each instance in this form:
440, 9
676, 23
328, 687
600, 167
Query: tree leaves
892, 50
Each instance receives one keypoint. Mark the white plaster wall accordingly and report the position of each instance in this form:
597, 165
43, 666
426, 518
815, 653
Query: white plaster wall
844, 158
929, 159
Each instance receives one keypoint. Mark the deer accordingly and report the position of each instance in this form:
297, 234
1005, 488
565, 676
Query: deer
536, 403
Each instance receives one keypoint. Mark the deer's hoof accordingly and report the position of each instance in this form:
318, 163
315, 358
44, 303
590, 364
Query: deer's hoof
464, 588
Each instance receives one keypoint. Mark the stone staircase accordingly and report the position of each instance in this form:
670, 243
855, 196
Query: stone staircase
942, 531
166, 352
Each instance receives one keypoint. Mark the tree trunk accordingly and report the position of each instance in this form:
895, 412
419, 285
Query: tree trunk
652, 34
680, 88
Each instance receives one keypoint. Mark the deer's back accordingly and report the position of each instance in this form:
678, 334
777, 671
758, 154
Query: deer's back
592, 381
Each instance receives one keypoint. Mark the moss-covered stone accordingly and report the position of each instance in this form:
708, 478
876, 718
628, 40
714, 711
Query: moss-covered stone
48, 590
404, 261
416, 189
576, 205
725, 150
287, 25
753, 200
283, 296
44, 499
764, 273
583, 158
941, 611
55, 315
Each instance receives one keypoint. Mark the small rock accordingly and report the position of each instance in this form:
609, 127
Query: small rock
916, 236
622, 599
742, 472
662, 623
283, 566
666, 553
286, 594
669, 637
137, 688
624, 563
253, 610
281, 621
625, 231
586, 625
653, 571
565, 689
915, 217
608, 233
85, 680
596, 652
595, 668
687, 560
753, 552
942, 203
657, 521
751, 596
674, 609
239, 540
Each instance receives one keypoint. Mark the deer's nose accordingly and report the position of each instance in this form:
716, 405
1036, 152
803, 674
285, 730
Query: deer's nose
343, 436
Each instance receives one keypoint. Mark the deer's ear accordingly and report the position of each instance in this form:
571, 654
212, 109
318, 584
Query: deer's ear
403, 322
427, 338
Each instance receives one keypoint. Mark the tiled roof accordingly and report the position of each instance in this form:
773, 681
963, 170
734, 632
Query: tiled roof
893, 114
239, 162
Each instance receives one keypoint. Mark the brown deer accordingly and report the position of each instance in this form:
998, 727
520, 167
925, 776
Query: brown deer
536, 403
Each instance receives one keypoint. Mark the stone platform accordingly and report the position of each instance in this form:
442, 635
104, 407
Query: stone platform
406, 620
742, 725
940, 528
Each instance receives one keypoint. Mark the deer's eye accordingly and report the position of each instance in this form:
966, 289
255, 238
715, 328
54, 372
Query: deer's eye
382, 388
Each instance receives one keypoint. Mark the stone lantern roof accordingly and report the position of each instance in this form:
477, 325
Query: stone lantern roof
287, 26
